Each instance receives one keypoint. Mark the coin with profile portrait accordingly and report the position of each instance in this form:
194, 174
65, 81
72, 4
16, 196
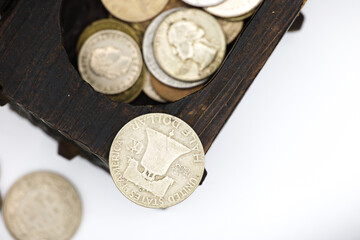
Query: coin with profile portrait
189, 45
110, 61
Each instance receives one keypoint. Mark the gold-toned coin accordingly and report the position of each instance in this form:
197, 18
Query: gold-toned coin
156, 160
42, 205
107, 24
231, 29
172, 94
133, 92
189, 45
134, 10
150, 91
110, 61
233, 8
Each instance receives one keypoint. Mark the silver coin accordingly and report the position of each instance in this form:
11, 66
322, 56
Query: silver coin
233, 8
203, 3
156, 160
42, 205
110, 61
189, 45
150, 61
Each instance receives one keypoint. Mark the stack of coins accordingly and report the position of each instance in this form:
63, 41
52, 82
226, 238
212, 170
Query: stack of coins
181, 46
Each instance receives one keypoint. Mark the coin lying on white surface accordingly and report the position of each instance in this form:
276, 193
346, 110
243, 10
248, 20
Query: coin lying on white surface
42, 205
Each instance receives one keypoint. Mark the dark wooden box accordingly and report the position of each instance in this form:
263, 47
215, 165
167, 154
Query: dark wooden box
38, 74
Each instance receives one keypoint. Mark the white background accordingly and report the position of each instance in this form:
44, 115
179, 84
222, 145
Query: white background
285, 166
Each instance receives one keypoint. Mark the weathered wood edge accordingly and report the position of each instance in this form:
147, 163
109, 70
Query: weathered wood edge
34, 70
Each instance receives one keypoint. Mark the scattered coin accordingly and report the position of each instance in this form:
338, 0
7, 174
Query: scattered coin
149, 57
156, 160
42, 205
107, 24
233, 8
150, 91
134, 10
110, 61
203, 3
231, 29
189, 45
172, 94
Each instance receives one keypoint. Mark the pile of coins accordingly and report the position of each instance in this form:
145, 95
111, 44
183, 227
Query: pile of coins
167, 48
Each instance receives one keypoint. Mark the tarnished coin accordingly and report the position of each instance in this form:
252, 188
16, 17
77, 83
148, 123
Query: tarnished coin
156, 160
134, 10
231, 29
203, 3
172, 94
110, 61
107, 24
189, 45
150, 91
42, 205
132, 93
233, 8
149, 57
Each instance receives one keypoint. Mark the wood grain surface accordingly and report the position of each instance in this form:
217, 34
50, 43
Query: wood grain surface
38, 74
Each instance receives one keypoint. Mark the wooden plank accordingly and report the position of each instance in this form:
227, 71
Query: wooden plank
36, 73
